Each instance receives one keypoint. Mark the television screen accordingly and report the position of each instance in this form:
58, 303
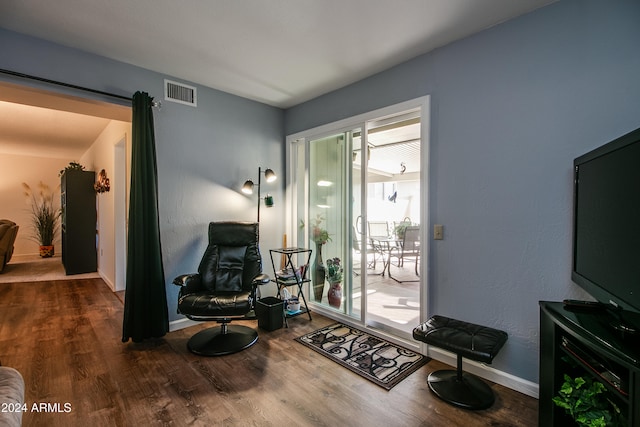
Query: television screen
606, 235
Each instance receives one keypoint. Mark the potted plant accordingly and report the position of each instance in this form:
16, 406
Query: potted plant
334, 276
401, 228
72, 166
44, 218
586, 401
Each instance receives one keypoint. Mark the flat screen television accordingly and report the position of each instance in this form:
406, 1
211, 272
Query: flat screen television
606, 224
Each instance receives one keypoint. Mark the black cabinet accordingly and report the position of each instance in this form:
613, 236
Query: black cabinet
78, 222
587, 343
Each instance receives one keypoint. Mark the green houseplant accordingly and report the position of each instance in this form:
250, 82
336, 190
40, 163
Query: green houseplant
334, 270
72, 166
401, 227
44, 217
586, 401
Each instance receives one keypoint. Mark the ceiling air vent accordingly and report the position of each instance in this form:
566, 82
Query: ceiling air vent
180, 93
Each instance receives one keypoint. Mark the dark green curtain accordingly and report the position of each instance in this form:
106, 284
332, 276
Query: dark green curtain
145, 304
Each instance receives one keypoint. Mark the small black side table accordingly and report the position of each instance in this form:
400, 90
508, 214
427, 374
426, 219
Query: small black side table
297, 276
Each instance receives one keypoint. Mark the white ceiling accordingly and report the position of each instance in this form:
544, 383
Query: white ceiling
280, 52
45, 124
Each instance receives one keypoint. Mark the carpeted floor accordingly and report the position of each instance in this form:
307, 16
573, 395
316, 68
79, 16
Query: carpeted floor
375, 359
32, 268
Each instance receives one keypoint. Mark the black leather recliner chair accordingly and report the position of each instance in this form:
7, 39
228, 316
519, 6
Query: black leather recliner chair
224, 288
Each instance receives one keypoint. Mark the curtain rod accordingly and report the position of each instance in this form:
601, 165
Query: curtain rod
72, 86
57, 83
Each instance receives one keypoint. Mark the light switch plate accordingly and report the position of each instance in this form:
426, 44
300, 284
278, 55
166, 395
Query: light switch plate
438, 232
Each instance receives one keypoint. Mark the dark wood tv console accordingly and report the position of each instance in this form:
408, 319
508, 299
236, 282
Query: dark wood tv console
582, 343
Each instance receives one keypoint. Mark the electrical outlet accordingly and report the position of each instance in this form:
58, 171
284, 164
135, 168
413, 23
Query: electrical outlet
438, 232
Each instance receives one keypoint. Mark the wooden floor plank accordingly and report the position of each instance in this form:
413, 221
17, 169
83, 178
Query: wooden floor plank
65, 339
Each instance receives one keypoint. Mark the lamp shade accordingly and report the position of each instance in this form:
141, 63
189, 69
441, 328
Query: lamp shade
270, 175
247, 188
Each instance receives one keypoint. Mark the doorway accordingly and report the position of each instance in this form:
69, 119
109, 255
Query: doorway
55, 129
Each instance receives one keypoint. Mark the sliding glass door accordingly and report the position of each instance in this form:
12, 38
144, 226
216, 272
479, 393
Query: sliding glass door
355, 189
392, 199
327, 214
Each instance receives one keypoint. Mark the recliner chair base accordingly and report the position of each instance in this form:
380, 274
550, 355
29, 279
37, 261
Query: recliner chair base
222, 340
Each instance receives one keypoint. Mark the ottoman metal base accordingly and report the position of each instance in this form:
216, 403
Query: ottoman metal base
468, 392
476, 342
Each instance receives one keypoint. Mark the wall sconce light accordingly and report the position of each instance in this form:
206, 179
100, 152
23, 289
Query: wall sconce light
247, 188
102, 185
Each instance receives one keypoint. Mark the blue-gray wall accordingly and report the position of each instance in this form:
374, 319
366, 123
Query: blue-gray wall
204, 154
511, 108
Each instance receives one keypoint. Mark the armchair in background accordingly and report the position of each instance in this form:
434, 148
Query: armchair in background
359, 246
223, 289
409, 248
378, 229
8, 233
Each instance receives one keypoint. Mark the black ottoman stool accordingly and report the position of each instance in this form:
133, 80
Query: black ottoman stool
466, 340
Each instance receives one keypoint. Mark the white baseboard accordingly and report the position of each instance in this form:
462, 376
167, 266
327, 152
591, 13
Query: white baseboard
178, 324
107, 281
487, 372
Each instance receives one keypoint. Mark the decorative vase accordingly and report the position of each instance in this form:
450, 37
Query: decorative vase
318, 274
47, 251
335, 294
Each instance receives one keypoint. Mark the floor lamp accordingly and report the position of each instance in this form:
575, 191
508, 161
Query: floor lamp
247, 188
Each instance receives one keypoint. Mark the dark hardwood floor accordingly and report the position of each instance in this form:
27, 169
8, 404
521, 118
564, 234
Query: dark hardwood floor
65, 339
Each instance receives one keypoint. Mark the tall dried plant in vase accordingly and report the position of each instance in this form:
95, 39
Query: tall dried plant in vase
45, 217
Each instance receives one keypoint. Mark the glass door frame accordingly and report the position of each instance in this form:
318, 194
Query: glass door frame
296, 209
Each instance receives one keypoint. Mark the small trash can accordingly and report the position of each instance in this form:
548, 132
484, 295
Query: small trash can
269, 313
